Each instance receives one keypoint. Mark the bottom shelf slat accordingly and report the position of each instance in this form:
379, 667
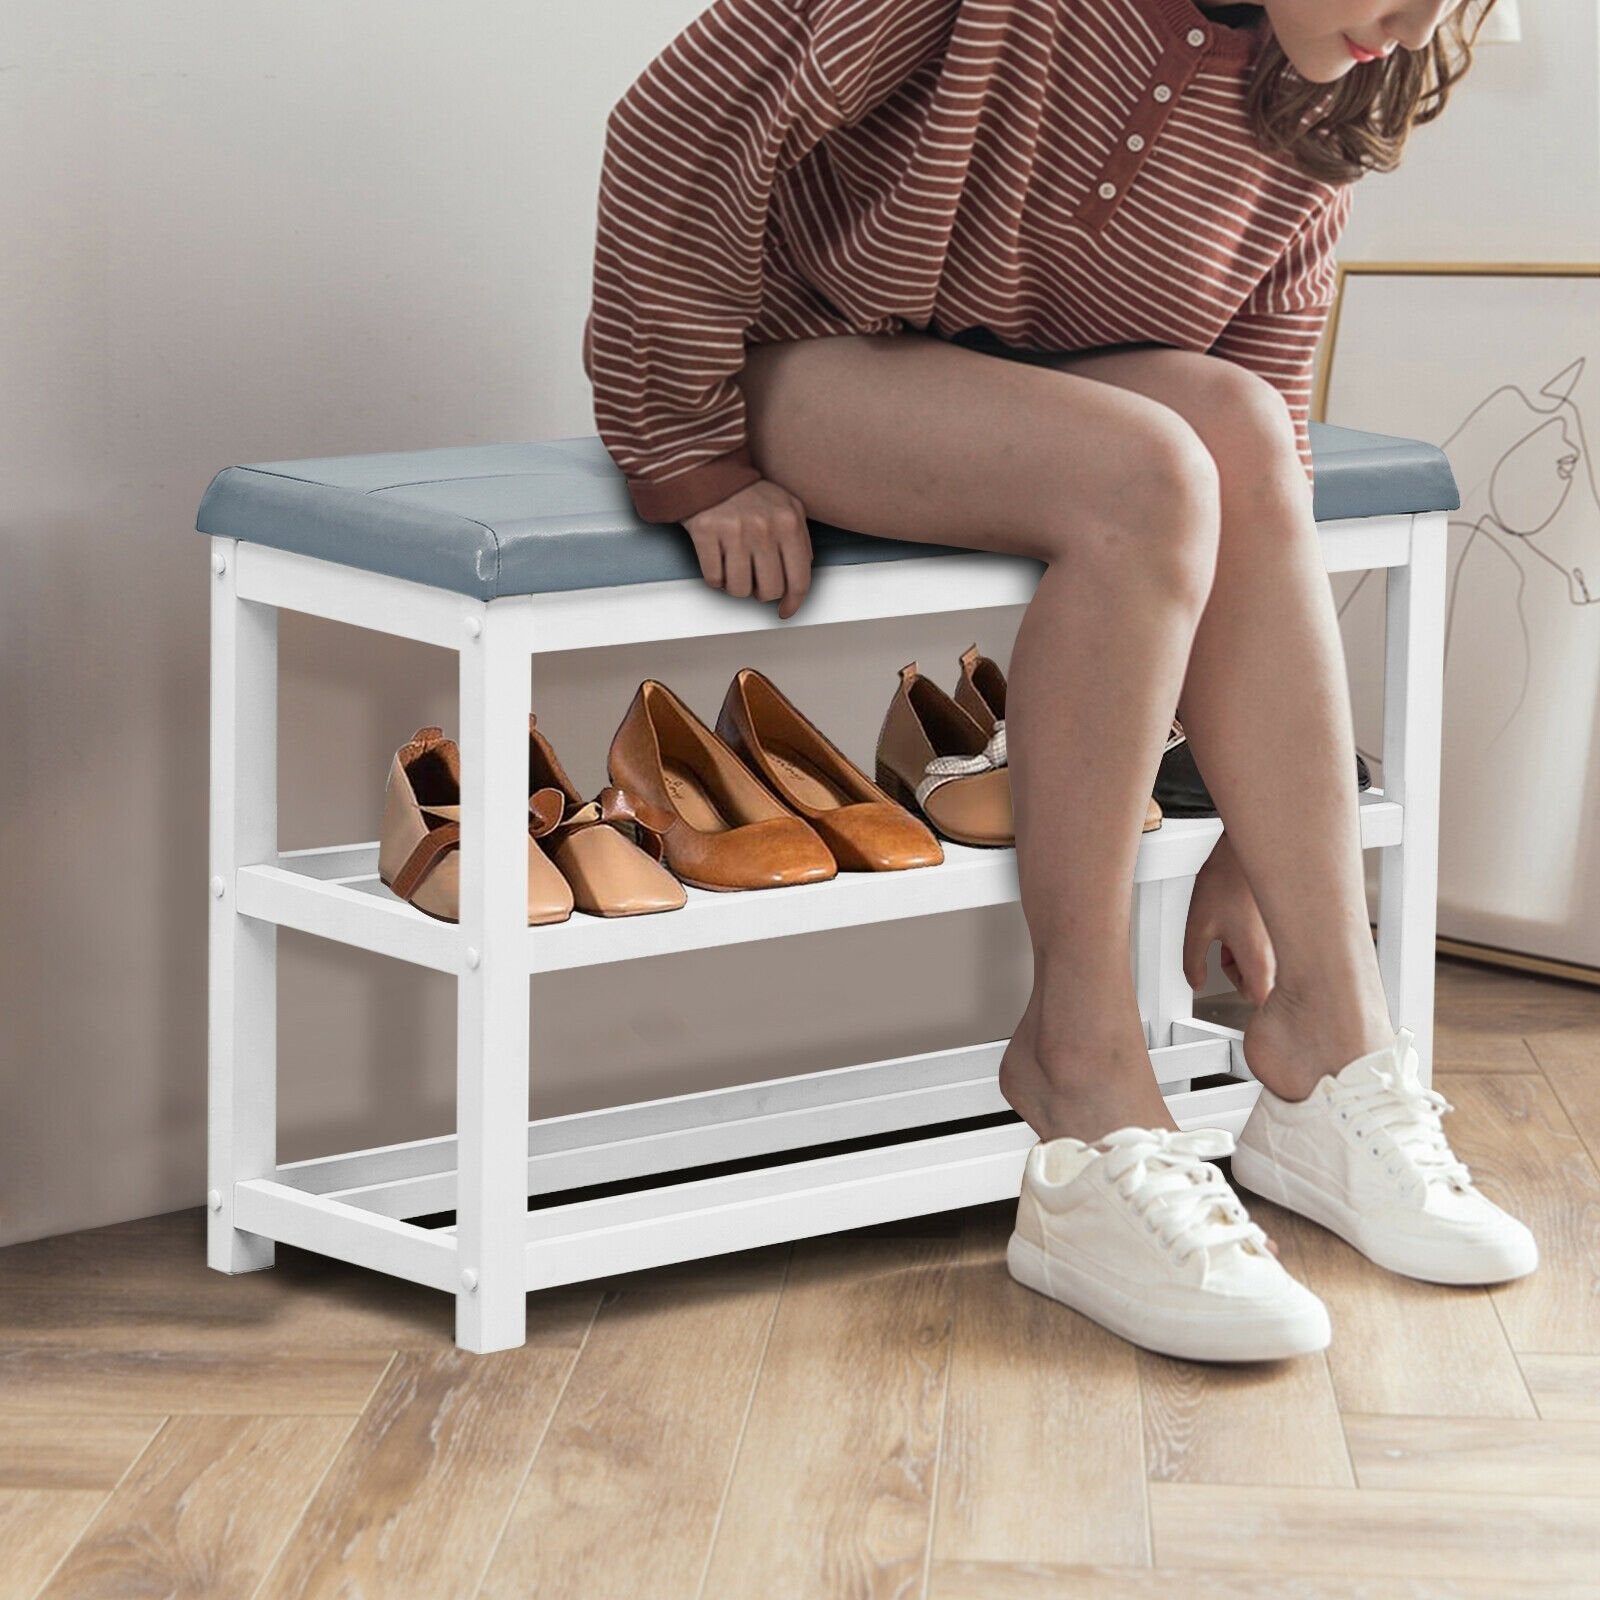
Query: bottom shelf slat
696, 1217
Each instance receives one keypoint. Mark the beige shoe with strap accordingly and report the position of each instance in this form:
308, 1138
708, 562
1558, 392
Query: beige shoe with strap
582, 854
419, 840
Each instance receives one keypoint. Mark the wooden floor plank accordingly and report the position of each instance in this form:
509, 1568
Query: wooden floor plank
1482, 1455
420, 1490
1399, 1346
1570, 1062
1271, 1422
37, 1529
84, 1381
1483, 1015
146, 1283
1521, 1146
623, 1495
57, 1450
1031, 1382
1422, 1535
1565, 1388
990, 1580
203, 1511
832, 1490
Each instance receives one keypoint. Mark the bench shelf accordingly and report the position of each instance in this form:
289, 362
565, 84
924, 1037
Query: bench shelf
334, 892
355, 1206
439, 546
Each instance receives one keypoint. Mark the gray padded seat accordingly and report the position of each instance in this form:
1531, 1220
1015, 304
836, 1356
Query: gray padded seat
527, 518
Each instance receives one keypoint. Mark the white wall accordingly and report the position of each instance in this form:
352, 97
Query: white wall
253, 232
1511, 170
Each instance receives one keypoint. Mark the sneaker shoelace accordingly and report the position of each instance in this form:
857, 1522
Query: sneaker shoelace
1167, 1176
1397, 1104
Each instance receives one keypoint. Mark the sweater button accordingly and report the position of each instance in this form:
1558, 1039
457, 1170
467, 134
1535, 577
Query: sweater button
1196, 37
1161, 92
1106, 190
1136, 141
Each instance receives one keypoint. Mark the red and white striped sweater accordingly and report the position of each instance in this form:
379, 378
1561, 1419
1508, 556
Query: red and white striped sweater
1065, 173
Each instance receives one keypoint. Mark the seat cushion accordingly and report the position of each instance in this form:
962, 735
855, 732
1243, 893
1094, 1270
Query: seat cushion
527, 518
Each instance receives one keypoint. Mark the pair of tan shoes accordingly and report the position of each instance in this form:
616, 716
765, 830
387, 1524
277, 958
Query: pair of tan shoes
762, 800
582, 854
945, 754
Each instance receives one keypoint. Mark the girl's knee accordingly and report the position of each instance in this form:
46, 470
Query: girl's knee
1158, 521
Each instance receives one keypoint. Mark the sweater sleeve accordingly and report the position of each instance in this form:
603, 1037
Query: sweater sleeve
1275, 333
692, 151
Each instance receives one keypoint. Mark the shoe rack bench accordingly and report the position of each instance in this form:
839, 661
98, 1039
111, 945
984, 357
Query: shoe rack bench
503, 553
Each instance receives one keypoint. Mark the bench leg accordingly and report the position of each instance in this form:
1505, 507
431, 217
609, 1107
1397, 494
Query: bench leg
492, 987
1161, 912
1413, 702
242, 1048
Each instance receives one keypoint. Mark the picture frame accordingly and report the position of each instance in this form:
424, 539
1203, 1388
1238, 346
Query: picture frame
1499, 365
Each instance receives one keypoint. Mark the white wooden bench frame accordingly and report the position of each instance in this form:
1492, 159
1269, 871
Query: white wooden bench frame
355, 1206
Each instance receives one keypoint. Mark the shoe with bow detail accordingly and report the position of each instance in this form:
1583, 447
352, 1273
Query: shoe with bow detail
933, 757
1365, 1155
608, 849
1142, 1233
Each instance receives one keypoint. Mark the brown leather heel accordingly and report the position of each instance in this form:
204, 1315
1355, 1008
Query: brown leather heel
728, 830
865, 828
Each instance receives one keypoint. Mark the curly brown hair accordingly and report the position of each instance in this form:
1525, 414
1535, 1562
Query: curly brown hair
1360, 122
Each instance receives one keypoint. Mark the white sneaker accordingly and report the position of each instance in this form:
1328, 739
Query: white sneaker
1143, 1234
1365, 1155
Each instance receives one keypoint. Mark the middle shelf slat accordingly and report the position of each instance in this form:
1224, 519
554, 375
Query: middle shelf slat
334, 892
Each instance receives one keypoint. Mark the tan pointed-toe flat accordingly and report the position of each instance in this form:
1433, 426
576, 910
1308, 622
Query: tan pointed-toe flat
609, 848
866, 829
419, 839
728, 830
934, 758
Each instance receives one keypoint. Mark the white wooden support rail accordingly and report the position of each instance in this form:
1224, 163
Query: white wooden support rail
809, 1153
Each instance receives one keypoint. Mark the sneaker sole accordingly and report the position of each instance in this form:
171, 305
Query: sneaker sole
1289, 1190
1168, 1333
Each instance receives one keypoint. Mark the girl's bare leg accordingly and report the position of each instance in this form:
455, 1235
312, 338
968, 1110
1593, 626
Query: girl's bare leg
1266, 707
913, 438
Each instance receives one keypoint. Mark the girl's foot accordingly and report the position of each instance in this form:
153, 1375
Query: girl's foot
1290, 1044
1083, 1097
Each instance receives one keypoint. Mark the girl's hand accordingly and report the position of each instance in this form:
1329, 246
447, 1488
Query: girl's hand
1223, 907
756, 541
